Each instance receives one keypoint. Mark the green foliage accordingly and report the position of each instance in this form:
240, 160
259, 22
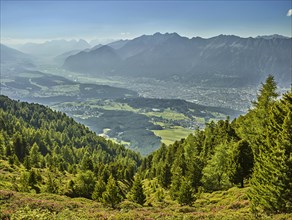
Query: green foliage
84, 184
27, 213
34, 136
99, 189
52, 185
137, 191
33, 179
8, 151
215, 172
112, 195
241, 162
46, 151
160, 196
34, 155
165, 176
24, 182
19, 146
176, 182
29, 181
26, 162
185, 195
86, 163
267, 94
2, 149
271, 188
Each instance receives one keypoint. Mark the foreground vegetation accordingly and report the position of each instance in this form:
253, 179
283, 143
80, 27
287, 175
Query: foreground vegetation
230, 204
230, 170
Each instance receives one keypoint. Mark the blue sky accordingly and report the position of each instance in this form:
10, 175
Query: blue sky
43, 20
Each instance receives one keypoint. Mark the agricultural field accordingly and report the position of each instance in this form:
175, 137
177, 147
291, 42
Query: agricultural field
170, 135
141, 124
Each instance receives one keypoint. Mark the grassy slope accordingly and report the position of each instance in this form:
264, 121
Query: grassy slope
231, 204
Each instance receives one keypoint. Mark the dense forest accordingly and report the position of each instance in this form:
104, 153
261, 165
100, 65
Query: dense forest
255, 149
39, 138
54, 154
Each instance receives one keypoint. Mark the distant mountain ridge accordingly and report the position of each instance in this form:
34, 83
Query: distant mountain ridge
53, 48
12, 60
224, 60
9, 54
267, 37
104, 54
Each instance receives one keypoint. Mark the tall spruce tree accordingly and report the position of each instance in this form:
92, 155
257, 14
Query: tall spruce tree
112, 195
260, 114
271, 185
34, 155
251, 127
1, 146
186, 193
19, 146
176, 180
215, 172
164, 178
241, 162
137, 191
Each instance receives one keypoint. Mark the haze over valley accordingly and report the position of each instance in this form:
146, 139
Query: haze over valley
93, 83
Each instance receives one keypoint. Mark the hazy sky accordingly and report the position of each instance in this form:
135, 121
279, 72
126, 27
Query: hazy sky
42, 20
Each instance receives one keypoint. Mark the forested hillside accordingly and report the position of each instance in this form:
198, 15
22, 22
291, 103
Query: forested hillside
38, 138
253, 150
240, 169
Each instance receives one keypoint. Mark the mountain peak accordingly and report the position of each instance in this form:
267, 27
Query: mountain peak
157, 34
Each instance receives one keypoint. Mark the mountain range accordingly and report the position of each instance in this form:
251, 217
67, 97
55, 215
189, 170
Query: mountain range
13, 61
10, 55
224, 60
52, 48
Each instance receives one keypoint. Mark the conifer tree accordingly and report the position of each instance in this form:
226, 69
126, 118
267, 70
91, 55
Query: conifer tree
271, 185
1, 146
19, 146
256, 121
215, 172
112, 195
137, 191
86, 163
176, 180
23, 182
165, 176
51, 184
185, 195
8, 151
34, 155
241, 162
99, 188
85, 183
267, 95
33, 180
194, 172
